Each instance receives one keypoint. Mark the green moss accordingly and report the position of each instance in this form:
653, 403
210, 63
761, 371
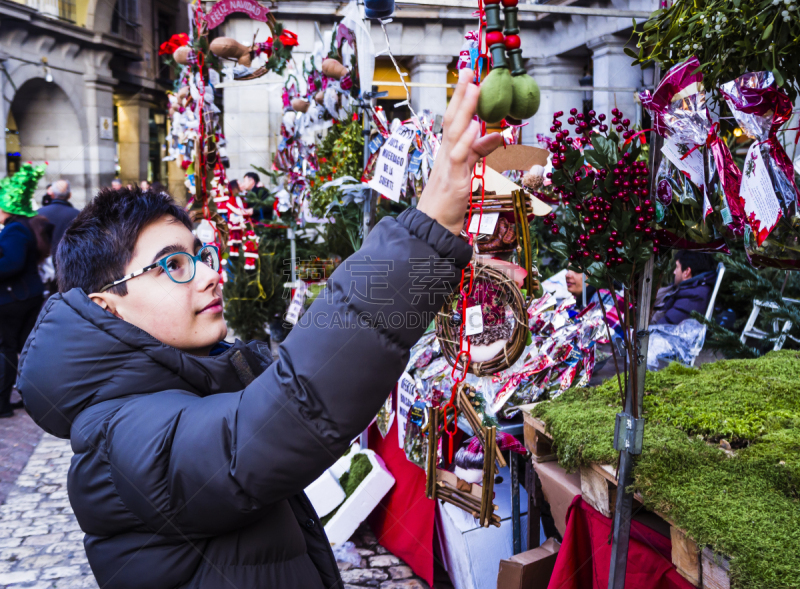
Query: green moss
360, 467
745, 505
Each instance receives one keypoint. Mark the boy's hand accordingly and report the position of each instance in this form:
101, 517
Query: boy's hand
446, 196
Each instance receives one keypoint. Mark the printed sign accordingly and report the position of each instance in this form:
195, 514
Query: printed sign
407, 392
390, 169
296, 306
761, 204
224, 8
488, 222
106, 128
474, 321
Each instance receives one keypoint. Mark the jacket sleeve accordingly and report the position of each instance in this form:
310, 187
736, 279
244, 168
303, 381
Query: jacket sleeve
14, 244
224, 458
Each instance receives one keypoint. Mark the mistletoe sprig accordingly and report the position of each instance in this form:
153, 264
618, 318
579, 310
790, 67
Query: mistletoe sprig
729, 37
608, 215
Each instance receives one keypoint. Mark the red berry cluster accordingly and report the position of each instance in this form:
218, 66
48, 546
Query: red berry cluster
595, 201
550, 221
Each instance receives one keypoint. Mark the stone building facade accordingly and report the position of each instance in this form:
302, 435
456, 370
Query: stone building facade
576, 60
83, 89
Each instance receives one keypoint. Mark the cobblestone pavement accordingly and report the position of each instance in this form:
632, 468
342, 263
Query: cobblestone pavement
18, 437
41, 544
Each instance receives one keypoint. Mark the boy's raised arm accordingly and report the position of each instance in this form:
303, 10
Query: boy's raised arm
232, 455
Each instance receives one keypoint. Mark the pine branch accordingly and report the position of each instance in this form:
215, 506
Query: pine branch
754, 285
719, 339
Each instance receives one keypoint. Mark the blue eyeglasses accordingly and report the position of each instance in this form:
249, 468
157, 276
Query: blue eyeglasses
180, 266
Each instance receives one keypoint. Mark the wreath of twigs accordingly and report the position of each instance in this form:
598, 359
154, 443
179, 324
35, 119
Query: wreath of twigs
448, 333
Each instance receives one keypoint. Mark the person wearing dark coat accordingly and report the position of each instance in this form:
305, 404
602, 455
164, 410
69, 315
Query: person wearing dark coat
691, 290
191, 454
20, 288
59, 212
256, 196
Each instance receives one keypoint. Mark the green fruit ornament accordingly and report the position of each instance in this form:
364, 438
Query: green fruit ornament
497, 93
525, 97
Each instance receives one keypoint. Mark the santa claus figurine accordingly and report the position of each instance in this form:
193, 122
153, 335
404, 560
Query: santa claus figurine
250, 250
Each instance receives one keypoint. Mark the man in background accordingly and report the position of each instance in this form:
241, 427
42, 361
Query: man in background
691, 290
257, 196
59, 212
48, 197
116, 184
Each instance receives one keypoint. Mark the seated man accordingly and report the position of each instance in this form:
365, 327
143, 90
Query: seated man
691, 291
191, 455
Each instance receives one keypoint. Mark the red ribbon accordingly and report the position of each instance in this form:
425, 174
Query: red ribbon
642, 133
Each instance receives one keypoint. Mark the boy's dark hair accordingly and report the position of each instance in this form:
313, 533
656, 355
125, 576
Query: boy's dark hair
99, 243
233, 185
252, 175
698, 262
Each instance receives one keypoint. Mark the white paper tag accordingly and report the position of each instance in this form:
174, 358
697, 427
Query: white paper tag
205, 231
488, 222
474, 321
407, 391
296, 306
390, 169
691, 164
761, 205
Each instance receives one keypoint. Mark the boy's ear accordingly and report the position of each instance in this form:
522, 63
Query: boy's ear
106, 301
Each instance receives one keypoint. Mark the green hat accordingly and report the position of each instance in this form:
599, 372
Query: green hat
16, 192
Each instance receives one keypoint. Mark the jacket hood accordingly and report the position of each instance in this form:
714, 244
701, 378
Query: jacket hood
79, 354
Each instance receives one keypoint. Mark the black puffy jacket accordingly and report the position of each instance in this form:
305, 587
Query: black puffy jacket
189, 471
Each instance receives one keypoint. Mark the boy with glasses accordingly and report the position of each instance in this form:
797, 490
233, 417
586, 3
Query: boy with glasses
191, 455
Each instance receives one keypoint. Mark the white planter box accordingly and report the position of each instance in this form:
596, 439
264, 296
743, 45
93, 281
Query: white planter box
361, 503
325, 494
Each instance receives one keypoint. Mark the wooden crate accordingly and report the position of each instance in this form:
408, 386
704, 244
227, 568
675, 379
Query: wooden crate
716, 570
703, 569
686, 556
537, 441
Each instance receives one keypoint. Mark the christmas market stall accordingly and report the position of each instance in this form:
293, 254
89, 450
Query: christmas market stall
496, 456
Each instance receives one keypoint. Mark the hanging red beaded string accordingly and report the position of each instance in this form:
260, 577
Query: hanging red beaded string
463, 358
200, 172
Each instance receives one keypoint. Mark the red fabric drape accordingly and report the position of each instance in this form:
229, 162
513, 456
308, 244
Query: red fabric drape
403, 521
584, 557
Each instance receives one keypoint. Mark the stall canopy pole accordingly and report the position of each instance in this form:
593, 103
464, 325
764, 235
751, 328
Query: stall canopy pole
369, 196
629, 429
628, 434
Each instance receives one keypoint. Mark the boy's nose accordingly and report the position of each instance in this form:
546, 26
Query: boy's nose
206, 277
